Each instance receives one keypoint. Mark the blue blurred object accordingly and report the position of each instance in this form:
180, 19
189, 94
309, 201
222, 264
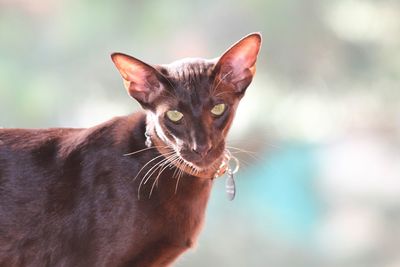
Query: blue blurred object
279, 190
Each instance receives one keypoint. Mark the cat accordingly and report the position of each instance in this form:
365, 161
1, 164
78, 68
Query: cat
131, 191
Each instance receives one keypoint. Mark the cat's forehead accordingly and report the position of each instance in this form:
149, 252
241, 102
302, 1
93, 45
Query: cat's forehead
188, 70
190, 80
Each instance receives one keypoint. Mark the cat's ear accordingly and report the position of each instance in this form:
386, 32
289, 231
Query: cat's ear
237, 65
140, 79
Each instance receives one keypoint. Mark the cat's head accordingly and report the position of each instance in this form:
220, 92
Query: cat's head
191, 102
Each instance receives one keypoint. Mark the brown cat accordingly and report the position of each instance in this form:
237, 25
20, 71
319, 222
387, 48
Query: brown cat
133, 190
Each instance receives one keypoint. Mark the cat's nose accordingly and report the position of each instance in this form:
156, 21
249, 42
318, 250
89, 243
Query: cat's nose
202, 150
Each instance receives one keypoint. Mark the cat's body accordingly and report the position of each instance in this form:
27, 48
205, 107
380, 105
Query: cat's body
72, 199
131, 191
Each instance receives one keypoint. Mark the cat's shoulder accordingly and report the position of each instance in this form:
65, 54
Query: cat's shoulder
25, 137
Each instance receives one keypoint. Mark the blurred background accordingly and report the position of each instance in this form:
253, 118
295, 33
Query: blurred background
320, 124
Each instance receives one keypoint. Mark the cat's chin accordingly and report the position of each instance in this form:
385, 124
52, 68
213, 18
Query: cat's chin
201, 169
206, 166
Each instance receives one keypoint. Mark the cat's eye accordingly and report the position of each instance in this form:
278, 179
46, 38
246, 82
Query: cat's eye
174, 115
218, 109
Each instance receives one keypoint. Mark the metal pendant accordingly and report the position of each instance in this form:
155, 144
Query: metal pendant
232, 168
229, 166
230, 187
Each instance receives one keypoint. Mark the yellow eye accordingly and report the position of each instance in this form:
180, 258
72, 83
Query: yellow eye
218, 109
174, 115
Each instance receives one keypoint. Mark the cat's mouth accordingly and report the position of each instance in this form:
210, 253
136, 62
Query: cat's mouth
199, 163
187, 161
205, 167
202, 169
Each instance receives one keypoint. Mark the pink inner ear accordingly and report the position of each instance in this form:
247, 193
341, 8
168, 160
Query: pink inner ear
237, 64
140, 79
130, 70
248, 55
242, 55
143, 83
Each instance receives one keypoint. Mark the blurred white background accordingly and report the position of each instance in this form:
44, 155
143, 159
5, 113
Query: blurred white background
321, 183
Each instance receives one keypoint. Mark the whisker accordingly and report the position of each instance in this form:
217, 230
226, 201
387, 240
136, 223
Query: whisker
245, 163
244, 155
149, 163
144, 166
165, 166
170, 83
242, 150
144, 177
177, 183
180, 174
247, 152
154, 168
157, 164
144, 149
175, 172
255, 142
187, 166
222, 79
